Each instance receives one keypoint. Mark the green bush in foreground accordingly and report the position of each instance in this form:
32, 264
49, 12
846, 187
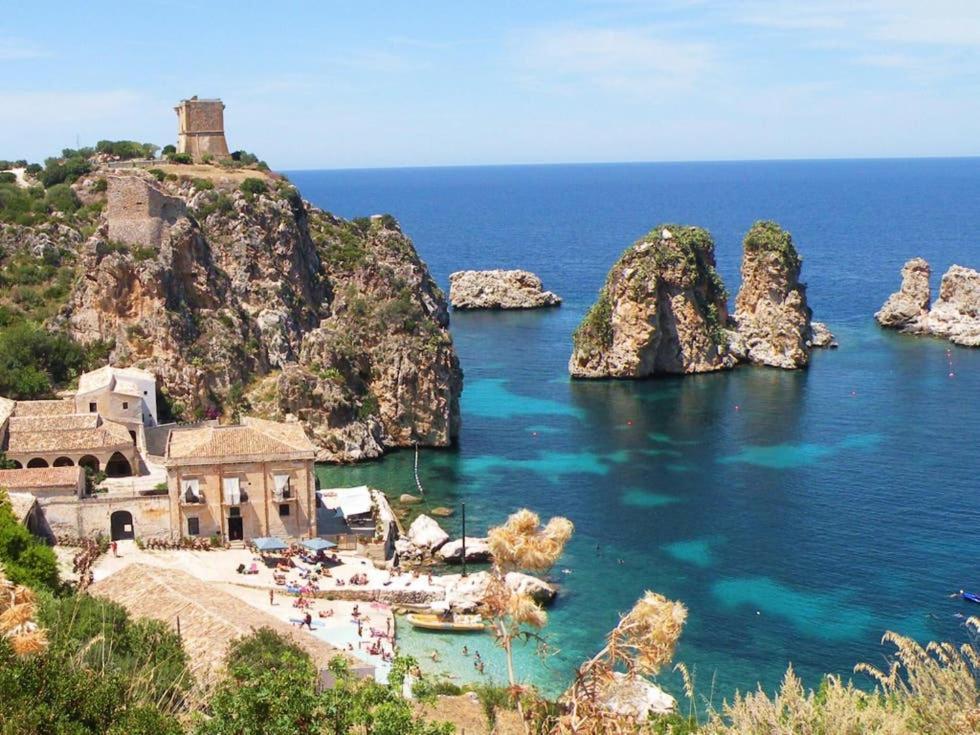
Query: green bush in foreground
25, 559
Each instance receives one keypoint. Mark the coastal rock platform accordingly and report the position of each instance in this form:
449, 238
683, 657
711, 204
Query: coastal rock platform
499, 289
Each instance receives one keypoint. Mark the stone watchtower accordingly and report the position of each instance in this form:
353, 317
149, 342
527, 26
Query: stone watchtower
201, 128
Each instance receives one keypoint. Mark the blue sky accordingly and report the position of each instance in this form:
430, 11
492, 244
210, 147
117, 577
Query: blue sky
343, 84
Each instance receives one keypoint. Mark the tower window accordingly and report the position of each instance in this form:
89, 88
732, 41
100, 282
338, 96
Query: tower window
193, 526
283, 510
125, 405
93, 407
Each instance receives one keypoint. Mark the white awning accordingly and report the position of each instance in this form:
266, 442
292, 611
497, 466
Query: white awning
350, 501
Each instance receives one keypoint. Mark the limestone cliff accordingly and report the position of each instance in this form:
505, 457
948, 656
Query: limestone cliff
498, 289
257, 301
662, 310
955, 315
771, 314
905, 308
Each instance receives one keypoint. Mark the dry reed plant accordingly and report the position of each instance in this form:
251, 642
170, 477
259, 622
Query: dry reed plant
18, 606
929, 689
641, 644
521, 543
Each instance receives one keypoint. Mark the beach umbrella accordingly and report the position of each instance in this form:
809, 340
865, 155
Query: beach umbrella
267, 543
318, 544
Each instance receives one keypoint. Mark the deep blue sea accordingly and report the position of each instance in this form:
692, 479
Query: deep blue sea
798, 515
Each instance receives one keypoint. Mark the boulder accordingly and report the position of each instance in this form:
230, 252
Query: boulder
524, 584
909, 306
425, 534
634, 696
474, 586
477, 551
498, 289
820, 336
442, 512
406, 499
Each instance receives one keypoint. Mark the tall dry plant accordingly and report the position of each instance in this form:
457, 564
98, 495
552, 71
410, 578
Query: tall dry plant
641, 644
927, 689
18, 607
521, 544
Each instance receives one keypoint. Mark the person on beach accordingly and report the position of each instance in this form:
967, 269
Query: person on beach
307, 621
115, 549
359, 628
272, 597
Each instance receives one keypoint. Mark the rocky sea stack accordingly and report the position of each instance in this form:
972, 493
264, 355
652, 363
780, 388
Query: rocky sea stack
954, 316
499, 289
246, 297
663, 309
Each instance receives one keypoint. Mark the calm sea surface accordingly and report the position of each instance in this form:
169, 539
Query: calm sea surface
799, 515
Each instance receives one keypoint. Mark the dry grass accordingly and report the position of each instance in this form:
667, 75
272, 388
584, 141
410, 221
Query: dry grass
217, 174
18, 606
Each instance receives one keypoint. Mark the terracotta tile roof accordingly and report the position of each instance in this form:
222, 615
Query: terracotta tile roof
21, 504
253, 437
108, 435
210, 618
54, 423
59, 407
40, 477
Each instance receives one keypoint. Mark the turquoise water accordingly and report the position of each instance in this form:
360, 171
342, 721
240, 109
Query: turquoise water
799, 515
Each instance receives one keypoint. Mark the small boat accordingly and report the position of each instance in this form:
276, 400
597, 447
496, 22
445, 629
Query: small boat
447, 622
970, 597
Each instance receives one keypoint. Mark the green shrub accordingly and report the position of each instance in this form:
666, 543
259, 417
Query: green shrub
253, 186
33, 169
183, 158
8, 177
595, 331
126, 149
157, 173
61, 198
766, 235
168, 149
142, 253
33, 360
62, 170
100, 185
369, 407
26, 559
202, 184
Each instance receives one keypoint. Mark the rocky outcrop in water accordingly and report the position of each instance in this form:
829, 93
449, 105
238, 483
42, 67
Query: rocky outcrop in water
908, 306
498, 289
955, 315
771, 314
662, 310
257, 301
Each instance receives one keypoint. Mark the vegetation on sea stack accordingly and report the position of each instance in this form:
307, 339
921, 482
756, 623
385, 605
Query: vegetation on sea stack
768, 236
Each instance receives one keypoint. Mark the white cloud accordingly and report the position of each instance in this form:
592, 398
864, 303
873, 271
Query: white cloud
19, 49
615, 59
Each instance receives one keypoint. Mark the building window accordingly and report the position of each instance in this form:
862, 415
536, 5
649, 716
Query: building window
283, 510
234, 512
93, 407
125, 405
193, 526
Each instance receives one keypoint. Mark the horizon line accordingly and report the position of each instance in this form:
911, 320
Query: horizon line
541, 164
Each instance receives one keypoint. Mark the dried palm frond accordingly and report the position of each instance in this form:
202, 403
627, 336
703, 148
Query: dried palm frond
24, 595
646, 637
521, 542
15, 616
523, 609
29, 644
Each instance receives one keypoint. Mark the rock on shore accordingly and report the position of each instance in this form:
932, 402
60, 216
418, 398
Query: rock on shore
499, 289
262, 302
477, 551
955, 315
663, 309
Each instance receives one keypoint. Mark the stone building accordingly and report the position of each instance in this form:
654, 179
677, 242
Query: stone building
241, 482
139, 212
201, 128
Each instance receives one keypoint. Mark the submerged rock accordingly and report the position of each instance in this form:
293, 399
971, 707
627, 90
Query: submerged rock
662, 309
906, 308
771, 312
499, 289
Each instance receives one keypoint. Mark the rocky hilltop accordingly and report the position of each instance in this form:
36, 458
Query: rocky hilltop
954, 316
499, 289
663, 309
245, 297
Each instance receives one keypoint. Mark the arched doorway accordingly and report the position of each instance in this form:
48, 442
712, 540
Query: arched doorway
118, 466
37, 462
17, 465
89, 462
121, 525
63, 462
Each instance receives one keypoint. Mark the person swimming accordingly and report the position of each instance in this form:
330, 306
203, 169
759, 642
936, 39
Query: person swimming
466, 651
